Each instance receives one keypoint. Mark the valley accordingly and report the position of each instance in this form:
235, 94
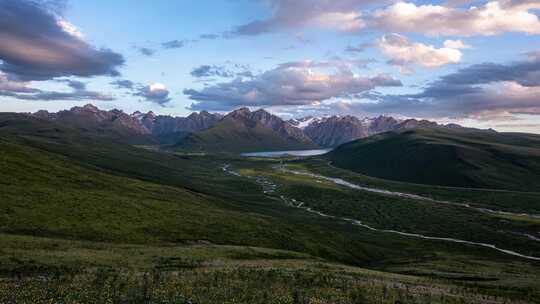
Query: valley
129, 219
269, 187
270, 152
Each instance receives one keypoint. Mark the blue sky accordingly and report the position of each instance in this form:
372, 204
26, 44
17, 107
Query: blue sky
288, 56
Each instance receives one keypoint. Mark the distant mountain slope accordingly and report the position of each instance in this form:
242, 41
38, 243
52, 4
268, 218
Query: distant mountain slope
246, 131
137, 128
171, 129
113, 124
333, 131
336, 130
447, 156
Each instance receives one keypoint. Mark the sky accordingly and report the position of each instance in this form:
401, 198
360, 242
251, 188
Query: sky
476, 63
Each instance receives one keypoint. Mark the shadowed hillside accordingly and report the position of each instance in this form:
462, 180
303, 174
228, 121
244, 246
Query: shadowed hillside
450, 157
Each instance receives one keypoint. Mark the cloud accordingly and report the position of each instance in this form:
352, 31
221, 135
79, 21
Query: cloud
294, 83
494, 17
340, 15
39, 45
147, 51
123, 84
211, 71
453, 18
525, 73
496, 100
358, 49
7, 85
484, 91
174, 44
54, 96
456, 44
156, 93
227, 70
22, 91
74, 84
209, 36
402, 52
332, 63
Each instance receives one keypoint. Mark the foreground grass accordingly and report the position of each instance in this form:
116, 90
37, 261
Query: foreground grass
238, 285
62, 271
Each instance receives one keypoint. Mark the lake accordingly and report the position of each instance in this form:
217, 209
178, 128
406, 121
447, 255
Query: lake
287, 153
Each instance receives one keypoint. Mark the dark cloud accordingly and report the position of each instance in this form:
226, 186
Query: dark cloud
156, 93
290, 84
147, 51
211, 71
20, 90
227, 70
342, 15
526, 73
123, 84
354, 49
174, 44
54, 96
36, 44
74, 84
359, 48
333, 62
209, 36
480, 90
247, 74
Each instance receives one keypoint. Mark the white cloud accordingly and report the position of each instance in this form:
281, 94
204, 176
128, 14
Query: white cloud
155, 87
451, 18
344, 22
456, 44
492, 18
70, 28
402, 52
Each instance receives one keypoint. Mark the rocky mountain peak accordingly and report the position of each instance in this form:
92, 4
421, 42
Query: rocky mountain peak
240, 112
150, 115
90, 107
413, 123
44, 114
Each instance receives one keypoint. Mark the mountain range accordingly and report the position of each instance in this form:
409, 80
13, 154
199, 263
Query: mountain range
241, 130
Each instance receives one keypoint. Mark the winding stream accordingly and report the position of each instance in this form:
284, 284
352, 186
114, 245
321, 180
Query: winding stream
341, 182
300, 205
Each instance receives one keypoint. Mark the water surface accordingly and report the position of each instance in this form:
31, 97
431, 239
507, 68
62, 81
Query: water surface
287, 153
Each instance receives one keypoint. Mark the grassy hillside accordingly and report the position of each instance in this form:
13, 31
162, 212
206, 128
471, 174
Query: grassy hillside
234, 136
115, 192
100, 218
438, 156
89, 272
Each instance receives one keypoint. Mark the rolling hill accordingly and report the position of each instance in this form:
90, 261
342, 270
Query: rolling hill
446, 156
78, 203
